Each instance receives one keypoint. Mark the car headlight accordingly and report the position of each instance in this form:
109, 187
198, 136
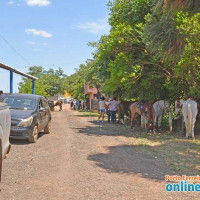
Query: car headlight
26, 122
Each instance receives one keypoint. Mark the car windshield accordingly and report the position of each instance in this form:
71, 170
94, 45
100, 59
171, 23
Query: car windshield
20, 103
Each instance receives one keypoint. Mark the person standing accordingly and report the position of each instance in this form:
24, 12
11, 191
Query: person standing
78, 104
83, 105
102, 109
74, 104
61, 105
71, 104
108, 109
113, 108
2, 95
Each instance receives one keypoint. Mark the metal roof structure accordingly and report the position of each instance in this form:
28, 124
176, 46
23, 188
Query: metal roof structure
17, 71
13, 70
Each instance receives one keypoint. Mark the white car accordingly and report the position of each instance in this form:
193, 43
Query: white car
5, 125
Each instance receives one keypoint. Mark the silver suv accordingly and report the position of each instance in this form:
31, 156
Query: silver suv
5, 124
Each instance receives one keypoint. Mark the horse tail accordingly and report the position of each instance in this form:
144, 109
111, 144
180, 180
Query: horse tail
189, 118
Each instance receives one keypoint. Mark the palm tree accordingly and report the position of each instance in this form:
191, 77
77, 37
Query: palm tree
161, 31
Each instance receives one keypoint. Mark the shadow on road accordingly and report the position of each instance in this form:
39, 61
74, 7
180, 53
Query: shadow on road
24, 142
19, 142
151, 155
101, 129
126, 159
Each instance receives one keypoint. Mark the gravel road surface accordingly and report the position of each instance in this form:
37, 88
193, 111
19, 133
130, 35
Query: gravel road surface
83, 160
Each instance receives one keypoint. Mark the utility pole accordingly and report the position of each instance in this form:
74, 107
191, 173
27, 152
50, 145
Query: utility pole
84, 94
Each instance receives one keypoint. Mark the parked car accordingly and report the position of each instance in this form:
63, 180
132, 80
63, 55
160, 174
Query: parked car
30, 114
5, 123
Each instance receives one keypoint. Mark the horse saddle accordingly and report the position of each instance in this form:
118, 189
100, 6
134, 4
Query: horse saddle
144, 107
140, 106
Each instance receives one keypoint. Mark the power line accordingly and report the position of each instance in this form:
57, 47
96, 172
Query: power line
14, 49
63, 63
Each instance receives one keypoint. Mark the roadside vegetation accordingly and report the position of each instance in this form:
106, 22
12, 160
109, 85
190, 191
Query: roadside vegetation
88, 113
181, 155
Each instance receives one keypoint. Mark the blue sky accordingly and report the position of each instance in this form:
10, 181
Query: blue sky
49, 33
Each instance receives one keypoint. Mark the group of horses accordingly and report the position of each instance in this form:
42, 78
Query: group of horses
152, 113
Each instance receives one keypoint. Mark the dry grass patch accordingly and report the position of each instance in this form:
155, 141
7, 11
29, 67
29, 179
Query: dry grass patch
181, 155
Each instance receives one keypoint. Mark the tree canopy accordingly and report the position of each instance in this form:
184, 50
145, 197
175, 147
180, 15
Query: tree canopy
50, 83
151, 52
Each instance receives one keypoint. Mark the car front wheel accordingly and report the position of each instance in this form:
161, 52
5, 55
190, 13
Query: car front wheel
47, 128
34, 135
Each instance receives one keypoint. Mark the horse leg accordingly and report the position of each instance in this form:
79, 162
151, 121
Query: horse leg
142, 121
182, 125
193, 122
119, 116
170, 121
146, 122
122, 119
155, 122
159, 121
132, 119
186, 125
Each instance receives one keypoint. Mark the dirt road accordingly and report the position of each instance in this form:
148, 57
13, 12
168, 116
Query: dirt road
83, 160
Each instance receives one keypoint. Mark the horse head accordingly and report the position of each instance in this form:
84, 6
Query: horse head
166, 106
178, 107
147, 111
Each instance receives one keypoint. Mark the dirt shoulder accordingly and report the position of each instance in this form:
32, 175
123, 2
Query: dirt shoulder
82, 159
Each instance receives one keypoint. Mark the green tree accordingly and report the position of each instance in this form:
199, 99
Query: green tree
50, 83
75, 83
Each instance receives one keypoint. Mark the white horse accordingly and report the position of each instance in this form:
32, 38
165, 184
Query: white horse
159, 108
190, 111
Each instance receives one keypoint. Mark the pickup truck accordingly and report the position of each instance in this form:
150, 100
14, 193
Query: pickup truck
5, 125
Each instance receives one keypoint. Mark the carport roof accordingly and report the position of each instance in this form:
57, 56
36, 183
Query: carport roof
17, 71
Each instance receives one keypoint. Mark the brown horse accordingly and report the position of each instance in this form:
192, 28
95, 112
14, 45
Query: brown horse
146, 111
123, 109
58, 103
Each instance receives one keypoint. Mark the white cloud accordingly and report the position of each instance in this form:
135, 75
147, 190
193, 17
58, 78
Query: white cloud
38, 32
39, 3
97, 28
29, 42
11, 2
